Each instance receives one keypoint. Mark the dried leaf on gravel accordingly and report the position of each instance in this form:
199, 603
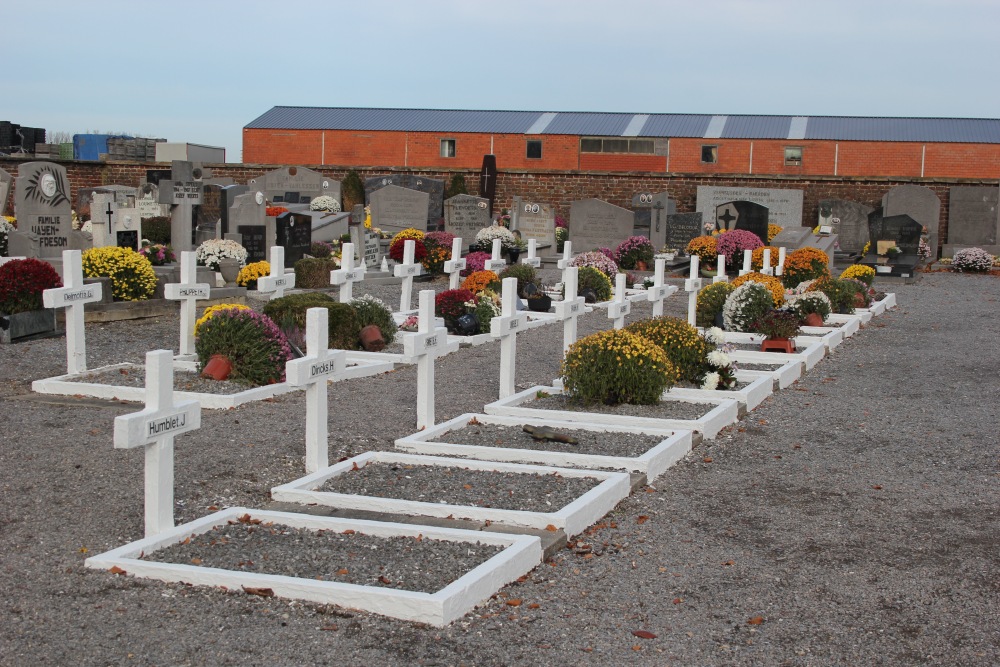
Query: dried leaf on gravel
641, 519
514, 602
644, 634
678, 600
756, 620
116, 570
263, 592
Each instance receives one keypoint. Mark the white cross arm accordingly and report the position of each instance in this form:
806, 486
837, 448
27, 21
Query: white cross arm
343, 276
495, 265
506, 324
416, 345
532, 261
305, 371
660, 292
179, 291
452, 265
274, 283
143, 428
406, 270
60, 297
570, 308
618, 309
692, 284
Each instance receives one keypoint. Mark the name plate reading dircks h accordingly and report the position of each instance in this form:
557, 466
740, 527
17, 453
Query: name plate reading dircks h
307, 370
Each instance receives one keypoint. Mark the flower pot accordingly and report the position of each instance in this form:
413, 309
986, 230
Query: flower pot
218, 368
641, 266
540, 303
230, 269
28, 323
786, 345
813, 320
859, 301
720, 321
371, 338
466, 325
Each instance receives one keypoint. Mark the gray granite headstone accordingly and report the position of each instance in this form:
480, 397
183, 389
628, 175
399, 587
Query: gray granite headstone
594, 223
373, 250
295, 183
784, 206
23, 244
43, 206
395, 208
921, 204
535, 220
973, 216
247, 218
5, 183
679, 229
651, 212
122, 194
464, 215
792, 238
849, 221
745, 215
148, 202
433, 187
183, 192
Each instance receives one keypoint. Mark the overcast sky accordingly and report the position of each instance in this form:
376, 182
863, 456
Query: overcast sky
199, 71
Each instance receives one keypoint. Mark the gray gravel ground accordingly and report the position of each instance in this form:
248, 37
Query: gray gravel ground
851, 519
586, 442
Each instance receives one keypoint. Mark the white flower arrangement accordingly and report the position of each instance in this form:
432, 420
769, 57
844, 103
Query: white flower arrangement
715, 335
745, 305
366, 299
325, 203
6, 227
711, 381
486, 235
797, 303
718, 359
87, 227
972, 259
210, 252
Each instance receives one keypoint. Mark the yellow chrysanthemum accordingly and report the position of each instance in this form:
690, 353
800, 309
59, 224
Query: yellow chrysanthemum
772, 284
212, 310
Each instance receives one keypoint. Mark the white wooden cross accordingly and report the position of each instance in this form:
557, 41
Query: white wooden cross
154, 428
620, 306
720, 273
566, 260
692, 286
408, 270
424, 346
532, 259
347, 274
781, 261
747, 257
454, 266
313, 371
495, 263
658, 292
276, 283
71, 296
187, 291
4, 260
766, 268
505, 327
571, 307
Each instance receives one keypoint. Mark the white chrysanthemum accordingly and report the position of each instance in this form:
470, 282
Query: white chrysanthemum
716, 336
718, 359
325, 203
711, 381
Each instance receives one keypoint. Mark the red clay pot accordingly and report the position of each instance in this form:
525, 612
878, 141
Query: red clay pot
218, 368
813, 320
371, 338
777, 345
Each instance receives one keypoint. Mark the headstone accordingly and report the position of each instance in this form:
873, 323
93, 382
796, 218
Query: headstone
278, 281
903, 230
296, 183
974, 217
128, 228
535, 220
792, 238
43, 206
154, 428
23, 244
745, 215
784, 206
679, 229
921, 204
313, 371
505, 327
183, 192
651, 211
113, 223
123, 195
395, 208
571, 306
597, 224
454, 266
433, 188
488, 180
464, 215
424, 346
293, 232
148, 202
5, 183
620, 306
849, 221
347, 274
247, 217
188, 291
72, 296
373, 250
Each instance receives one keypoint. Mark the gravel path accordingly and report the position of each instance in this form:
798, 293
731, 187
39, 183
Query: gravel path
587, 442
851, 519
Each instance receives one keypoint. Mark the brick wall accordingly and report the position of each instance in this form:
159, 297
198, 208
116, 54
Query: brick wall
560, 187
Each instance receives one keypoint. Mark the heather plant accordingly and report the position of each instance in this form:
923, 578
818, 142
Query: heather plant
371, 310
598, 260
745, 305
320, 249
633, 250
289, 312
475, 261
22, 282
711, 299
681, 342
972, 260
132, 276
616, 366
439, 239
212, 310
253, 343
314, 272
734, 242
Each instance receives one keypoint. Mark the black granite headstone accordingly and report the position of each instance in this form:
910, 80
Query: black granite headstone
746, 215
293, 231
127, 239
154, 176
255, 241
681, 228
488, 179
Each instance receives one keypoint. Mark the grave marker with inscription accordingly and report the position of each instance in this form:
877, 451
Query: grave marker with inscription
433, 188
182, 193
849, 221
424, 346
921, 204
784, 206
43, 206
679, 229
396, 208
464, 215
293, 232
745, 215
597, 224
72, 296
488, 180
651, 214
535, 220
298, 184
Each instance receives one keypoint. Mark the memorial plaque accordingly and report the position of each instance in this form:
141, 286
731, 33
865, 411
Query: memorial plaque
535, 220
973, 215
488, 181
373, 250
597, 224
255, 241
247, 216
43, 206
396, 208
784, 206
464, 215
432, 187
294, 233
745, 215
651, 211
127, 238
295, 185
849, 221
680, 228
921, 204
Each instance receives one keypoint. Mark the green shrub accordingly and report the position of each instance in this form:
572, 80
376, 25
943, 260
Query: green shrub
289, 312
371, 310
352, 190
593, 278
616, 366
157, 230
523, 272
253, 343
456, 187
711, 299
840, 292
314, 272
681, 342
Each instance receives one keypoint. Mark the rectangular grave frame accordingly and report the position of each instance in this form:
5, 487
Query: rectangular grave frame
725, 412
653, 463
782, 376
521, 554
803, 342
749, 397
574, 518
810, 353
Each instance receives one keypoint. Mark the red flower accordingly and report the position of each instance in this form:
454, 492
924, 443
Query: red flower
419, 250
451, 303
22, 282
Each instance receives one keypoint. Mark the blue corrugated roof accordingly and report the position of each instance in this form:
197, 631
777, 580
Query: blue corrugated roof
835, 128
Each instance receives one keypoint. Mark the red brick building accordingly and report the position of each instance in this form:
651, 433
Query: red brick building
795, 146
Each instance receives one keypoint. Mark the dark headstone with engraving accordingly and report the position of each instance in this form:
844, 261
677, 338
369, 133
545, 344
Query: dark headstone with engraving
127, 239
651, 211
903, 232
294, 233
488, 180
255, 241
745, 215
680, 229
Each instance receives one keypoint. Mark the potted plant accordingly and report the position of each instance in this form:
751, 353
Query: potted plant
780, 327
812, 308
22, 282
635, 252
893, 253
539, 302
745, 305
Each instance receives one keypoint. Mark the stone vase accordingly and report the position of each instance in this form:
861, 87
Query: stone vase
230, 269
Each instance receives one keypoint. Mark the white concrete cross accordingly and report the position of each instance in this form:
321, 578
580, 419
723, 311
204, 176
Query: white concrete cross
187, 291
348, 273
720, 273
766, 268
71, 296
747, 257
532, 259
620, 306
454, 266
155, 428
658, 292
313, 371
276, 283
424, 346
781, 261
692, 286
567, 257
572, 305
505, 327
408, 270
495, 263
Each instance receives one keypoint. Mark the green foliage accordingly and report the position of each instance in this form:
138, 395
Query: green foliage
486, 309
681, 342
711, 299
290, 314
523, 272
314, 272
840, 292
157, 230
593, 278
352, 190
777, 324
371, 310
253, 343
616, 366
456, 187
562, 234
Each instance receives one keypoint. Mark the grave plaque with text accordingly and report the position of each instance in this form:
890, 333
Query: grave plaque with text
535, 220
395, 209
784, 206
680, 229
464, 215
294, 233
597, 224
43, 206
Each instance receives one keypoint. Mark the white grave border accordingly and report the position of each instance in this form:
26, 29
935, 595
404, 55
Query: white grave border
749, 396
521, 554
